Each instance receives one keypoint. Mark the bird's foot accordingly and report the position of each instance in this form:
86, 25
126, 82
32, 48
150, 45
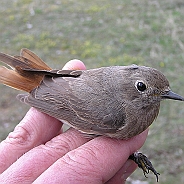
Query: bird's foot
144, 163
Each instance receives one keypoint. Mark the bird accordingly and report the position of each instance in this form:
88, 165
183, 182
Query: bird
116, 101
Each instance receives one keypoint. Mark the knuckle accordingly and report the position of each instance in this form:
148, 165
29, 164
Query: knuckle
57, 147
20, 136
82, 162
66, 142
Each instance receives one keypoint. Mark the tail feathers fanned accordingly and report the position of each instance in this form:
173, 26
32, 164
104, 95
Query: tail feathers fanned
18, 77
13, 79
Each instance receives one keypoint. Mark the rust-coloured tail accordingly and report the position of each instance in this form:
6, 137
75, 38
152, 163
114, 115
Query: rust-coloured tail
19, 76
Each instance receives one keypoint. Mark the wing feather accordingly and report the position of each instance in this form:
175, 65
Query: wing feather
79, 103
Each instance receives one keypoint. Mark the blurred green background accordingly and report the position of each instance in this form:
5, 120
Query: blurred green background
103, 33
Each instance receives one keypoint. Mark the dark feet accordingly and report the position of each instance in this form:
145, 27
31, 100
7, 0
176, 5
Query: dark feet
143, 162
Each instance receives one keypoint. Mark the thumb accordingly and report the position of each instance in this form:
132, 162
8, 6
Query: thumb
74, 64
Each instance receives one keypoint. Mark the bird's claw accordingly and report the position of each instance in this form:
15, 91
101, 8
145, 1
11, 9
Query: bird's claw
144, 163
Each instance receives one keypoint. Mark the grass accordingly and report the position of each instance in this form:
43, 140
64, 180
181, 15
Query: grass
103, 33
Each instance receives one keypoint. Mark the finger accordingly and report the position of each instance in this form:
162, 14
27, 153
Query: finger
37, 160
35, 128
121, 176
94, 162
74, 64
128, 168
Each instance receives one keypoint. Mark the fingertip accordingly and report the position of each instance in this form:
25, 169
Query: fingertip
129, 167
141, 137
137, 141
74, 64
126, 170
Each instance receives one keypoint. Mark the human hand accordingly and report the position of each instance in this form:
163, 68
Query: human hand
38, 152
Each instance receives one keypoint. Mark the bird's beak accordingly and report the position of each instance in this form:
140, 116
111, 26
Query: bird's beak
172, 95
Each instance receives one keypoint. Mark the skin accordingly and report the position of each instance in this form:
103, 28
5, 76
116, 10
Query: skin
37, 151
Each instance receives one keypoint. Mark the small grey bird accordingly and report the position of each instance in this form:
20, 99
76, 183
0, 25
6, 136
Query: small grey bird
117, 101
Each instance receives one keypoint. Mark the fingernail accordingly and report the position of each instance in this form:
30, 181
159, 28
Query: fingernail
128, 169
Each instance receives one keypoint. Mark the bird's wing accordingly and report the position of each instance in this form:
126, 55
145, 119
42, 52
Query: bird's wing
81, 106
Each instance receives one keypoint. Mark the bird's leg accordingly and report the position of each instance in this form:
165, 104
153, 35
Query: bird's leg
144, 163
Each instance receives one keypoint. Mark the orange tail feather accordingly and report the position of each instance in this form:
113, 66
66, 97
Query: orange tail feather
17, 77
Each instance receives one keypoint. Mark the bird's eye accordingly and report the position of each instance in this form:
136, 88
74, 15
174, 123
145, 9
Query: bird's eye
141, 86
